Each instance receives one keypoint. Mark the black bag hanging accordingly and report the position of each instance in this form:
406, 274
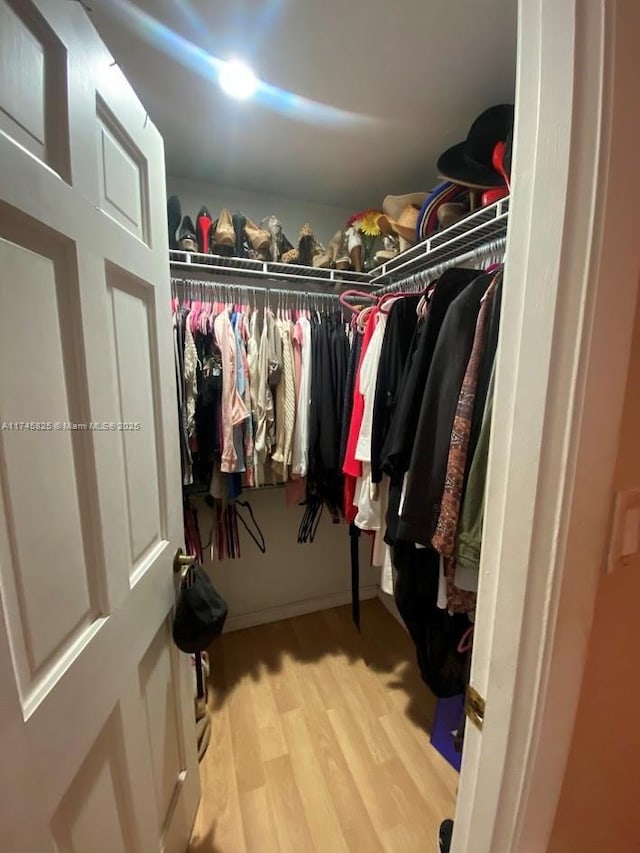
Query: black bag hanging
200, 612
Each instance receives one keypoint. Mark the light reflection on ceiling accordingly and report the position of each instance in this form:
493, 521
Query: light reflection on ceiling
209, 66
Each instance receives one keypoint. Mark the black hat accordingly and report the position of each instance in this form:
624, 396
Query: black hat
200, 612
470, 162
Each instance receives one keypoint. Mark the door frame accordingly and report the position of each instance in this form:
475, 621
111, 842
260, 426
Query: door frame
571, 284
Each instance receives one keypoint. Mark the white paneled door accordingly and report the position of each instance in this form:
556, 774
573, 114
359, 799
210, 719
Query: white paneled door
97, 735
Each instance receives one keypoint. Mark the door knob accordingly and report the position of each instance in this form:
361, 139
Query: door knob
182, 561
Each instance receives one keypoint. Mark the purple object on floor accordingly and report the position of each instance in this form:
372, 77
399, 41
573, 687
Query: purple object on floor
448, 718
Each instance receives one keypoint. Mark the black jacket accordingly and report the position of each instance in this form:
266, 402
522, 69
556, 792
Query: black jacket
428, 466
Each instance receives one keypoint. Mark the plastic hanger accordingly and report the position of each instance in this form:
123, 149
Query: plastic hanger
355, 294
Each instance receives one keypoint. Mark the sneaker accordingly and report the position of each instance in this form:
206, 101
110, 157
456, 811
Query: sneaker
444, 836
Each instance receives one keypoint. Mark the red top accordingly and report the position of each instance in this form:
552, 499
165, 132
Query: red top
352, 467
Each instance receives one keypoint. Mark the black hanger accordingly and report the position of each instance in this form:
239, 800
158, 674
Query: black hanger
258, 537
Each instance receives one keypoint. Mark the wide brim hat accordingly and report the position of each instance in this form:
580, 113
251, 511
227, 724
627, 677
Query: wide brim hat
471, 162
394, 205
444, 193
405, 224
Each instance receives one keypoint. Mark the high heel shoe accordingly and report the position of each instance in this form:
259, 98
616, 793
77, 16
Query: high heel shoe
278, 243
390, 250
174, 215
239, 222
203, 230
305, 246
258, 238
217, 248
187, 236
224, 234
271, 224
338, 251
321, 258
354, 245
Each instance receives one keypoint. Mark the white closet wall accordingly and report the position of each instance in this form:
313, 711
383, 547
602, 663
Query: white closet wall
290, 578
324, 219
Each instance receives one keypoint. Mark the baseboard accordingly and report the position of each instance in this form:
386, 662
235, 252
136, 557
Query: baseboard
295, 608
391, 606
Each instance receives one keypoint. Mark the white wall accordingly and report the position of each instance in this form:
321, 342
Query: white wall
290, 578
324, 220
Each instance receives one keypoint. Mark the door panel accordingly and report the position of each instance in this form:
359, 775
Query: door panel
48, 608
123, 175
96, 709
157, 682
95, 812
132, 328
33, 85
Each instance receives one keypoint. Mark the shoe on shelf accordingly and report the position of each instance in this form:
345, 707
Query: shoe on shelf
354, 245
321, 257
273, 227
174, 215
217, 248
203, 230
291, 256
187, 236
224, 235
451, 212
445, 834
239, 222
338, 251
306, 243
258, 238
390, 249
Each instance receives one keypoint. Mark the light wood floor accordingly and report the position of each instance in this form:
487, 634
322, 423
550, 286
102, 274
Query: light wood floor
320, 741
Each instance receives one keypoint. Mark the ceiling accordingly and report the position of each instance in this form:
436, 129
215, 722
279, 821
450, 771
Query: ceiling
383, 88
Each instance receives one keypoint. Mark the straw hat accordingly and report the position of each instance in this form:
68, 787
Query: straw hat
404, 225
394, 205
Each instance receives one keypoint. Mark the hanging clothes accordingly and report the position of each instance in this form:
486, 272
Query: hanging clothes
469, 533
424, 482
300, 452
285, 404
234, 411
443, 538
259, 405
401, 325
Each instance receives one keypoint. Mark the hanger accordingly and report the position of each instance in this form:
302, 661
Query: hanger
258, 536
355, 294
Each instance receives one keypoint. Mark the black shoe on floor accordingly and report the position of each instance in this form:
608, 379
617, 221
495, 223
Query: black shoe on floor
444, 836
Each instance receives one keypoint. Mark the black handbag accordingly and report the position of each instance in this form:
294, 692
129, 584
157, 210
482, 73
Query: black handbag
200, 612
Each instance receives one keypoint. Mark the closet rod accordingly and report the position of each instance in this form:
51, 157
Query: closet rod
419, 280
312, 296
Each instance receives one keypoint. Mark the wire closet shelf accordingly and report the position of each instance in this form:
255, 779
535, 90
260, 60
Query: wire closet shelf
482, 234
249, 268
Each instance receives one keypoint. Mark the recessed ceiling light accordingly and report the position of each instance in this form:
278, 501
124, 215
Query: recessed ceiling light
237, 80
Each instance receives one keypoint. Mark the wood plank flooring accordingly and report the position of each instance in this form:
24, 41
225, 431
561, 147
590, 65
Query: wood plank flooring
320, 741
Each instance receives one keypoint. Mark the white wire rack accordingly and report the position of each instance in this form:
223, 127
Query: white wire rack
248, 268
480, 234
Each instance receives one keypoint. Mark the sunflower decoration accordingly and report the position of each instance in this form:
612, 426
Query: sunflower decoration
366, 222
